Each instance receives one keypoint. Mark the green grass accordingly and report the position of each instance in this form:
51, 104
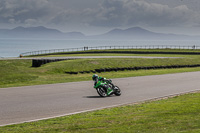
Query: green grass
91, 64
123, 52
15, 71
113, 54
20, 73
180, 114
177, 114
159, 50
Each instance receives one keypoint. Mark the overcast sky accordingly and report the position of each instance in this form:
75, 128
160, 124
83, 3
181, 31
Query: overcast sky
99, 16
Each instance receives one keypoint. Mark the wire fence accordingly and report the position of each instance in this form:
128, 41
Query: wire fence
51, 51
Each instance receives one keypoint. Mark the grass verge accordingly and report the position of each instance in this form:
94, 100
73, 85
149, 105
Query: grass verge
20, 73
177, 114
122, 51
173, 115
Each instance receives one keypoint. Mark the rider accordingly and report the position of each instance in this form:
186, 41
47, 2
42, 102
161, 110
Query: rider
96, 79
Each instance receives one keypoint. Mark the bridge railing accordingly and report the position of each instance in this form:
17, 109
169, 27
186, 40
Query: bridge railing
51, 51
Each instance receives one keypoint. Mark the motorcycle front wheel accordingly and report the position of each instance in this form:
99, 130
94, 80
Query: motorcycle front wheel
117, 91
101, 92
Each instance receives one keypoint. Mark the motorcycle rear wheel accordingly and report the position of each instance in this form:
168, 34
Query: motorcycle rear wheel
101, 92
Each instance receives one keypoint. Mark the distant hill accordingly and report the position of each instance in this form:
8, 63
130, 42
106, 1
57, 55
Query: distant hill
134, 33
129, 31
38, 32
137, 33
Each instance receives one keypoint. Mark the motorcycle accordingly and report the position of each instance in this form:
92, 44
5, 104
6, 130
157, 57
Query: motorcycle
103, 91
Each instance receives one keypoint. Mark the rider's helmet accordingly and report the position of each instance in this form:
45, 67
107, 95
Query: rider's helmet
94, 77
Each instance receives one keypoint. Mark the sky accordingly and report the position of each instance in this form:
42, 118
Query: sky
99, 16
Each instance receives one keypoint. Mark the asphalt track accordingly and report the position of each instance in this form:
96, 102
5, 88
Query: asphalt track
31, 103
85, 57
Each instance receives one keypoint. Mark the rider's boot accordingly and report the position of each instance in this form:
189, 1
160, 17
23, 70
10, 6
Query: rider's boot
109, 91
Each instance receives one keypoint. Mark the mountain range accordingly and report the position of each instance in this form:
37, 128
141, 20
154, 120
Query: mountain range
134, 33
38, 32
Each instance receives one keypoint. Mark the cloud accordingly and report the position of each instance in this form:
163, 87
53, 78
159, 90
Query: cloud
134, 12
24, 10
66, 17
109, 13
116, 13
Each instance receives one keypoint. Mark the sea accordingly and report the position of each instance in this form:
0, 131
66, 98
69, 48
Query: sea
14, 47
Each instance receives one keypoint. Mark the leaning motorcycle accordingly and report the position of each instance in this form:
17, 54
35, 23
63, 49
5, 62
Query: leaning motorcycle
103, 92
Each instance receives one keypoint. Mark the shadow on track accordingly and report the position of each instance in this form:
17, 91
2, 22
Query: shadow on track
98, 96
92, 97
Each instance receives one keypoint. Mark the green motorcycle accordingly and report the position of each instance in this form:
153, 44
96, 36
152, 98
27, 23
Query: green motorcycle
107, 88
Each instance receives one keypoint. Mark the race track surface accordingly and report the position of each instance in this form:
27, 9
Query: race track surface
30, 103
86, 57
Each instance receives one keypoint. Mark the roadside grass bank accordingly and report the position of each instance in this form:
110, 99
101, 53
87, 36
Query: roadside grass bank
123, 51
172, 115
111, 54
20, 73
